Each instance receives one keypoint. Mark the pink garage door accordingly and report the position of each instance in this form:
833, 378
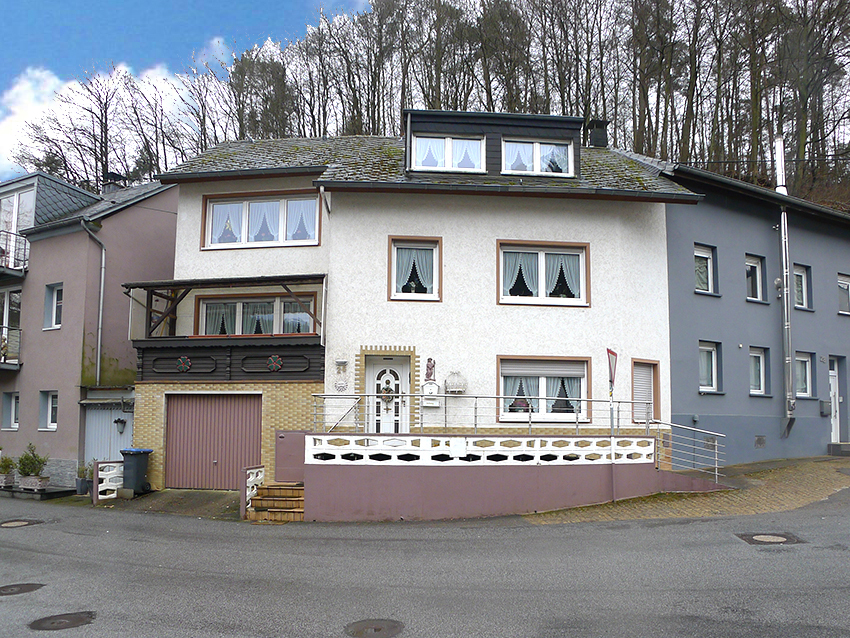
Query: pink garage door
210, 438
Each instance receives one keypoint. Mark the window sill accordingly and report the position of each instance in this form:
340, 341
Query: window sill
760, 396
804, 308
843, 314
543, 301
712, 392
43, 429
431, 298
51, 328
806, 398
758, 301
8, 429
255, 245
443, 169
534, 174
707, 293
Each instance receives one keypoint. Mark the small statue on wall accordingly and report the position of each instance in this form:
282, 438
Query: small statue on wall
429, 369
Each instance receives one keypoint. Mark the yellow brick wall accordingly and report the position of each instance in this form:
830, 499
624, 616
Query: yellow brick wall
287, 405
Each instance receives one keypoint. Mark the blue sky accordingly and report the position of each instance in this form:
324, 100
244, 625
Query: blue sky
47, 43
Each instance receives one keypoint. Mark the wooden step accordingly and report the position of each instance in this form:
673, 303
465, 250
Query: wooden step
276, 502
276, 515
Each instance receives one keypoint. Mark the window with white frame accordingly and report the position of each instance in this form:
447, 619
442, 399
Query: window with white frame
414, 269
754, 270
17, 210
448, 153
758, 380
54, 296
49, 410
542, 158
844, 294
803, 374
704, 268
802, 286
11, 406
256, 316
553, 274
709, 367
10, 330
273, 221
549, 389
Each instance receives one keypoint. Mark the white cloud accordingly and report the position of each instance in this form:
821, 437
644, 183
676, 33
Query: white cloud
28, 99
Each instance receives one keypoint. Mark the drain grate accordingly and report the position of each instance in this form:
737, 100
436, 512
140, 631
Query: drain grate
23, 588
63, 621
19, 523
382, 628
770, 538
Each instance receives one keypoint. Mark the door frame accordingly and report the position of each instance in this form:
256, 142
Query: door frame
373, 364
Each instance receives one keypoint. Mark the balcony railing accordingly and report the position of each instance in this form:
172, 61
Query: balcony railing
10, 345
468, 413
469, 417
14, 251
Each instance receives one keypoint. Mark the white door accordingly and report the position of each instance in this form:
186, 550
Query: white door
833, 398
104, 441
388, 384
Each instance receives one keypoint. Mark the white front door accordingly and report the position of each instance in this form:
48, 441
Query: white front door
388, 384
833, 398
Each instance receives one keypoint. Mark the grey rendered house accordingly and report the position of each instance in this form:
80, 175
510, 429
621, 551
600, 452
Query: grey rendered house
66, 365
727, 327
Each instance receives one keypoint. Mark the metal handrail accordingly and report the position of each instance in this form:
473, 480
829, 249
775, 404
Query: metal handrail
690, 456
339, 420
14, 250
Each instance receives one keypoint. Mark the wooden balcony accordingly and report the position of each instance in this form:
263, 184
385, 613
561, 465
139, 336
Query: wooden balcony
212, 359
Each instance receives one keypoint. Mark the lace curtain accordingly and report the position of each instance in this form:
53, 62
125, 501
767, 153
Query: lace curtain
466, 154
554, 158
221, 215
524, 387
520, 156
220, 319
300, 219
263, 221
570, 264
430, 152
571, 387
513, 261
424, 260
258, 318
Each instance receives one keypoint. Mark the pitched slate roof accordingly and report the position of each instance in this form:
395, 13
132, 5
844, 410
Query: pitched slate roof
105, 205
55, 199
698, 177
378, 163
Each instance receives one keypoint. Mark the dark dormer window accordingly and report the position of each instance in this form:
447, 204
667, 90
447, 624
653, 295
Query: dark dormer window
542, 158
447, 154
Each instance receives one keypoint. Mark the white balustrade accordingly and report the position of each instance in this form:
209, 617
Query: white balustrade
110, 479
435, 450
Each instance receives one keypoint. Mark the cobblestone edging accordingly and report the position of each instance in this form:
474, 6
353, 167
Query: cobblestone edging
774, 490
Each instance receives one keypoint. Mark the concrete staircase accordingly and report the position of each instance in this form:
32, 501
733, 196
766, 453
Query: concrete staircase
278, 503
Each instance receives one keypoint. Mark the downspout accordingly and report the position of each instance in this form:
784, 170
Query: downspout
408, 146
787, 349
83, 223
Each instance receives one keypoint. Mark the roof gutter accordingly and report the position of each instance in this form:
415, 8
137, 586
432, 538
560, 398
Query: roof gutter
84, 223
252, 173
503, 189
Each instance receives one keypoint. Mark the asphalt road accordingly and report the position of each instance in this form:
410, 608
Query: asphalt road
161, 576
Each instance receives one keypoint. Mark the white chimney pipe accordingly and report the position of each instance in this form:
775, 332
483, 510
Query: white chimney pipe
779, 146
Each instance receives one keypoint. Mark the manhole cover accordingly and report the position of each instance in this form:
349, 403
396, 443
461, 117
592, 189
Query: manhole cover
374, 627
770, 538
23, 588
19, 523
63, 621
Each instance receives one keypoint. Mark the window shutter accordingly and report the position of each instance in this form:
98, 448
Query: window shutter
554, 368
642, 381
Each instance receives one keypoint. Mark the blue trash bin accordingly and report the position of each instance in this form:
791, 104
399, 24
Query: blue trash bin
136, 470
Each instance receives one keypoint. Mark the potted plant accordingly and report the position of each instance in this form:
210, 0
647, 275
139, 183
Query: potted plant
82, 483
30, 466
7, 471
